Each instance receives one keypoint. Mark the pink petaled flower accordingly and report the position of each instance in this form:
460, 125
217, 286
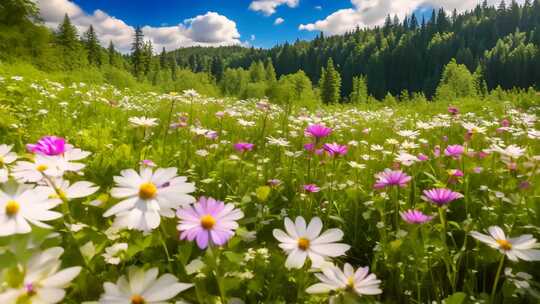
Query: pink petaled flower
309, 146
422, 157
453, 110
389, 178
147, 163
505, 123
48, 145
208, 221
317, 131
478, 170
211, 135
335, 149
437, 151
454, 151
415, 217
274, 182
441, 196
311, 188
455, 173
243, 147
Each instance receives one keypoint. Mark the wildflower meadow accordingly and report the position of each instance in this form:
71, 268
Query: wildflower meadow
119, 196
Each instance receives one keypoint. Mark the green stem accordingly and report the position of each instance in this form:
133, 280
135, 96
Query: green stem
497, 276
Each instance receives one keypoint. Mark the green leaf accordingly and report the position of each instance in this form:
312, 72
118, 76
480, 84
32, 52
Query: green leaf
456, 298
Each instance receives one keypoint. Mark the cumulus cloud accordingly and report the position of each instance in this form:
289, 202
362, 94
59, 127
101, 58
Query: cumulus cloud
279, 21
268, 7
369, 13
210, 29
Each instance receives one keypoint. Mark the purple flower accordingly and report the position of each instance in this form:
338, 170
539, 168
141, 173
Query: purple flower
389, 178
317, 131
335, 149
48, 145
208, 221
309, 147
422, 157
453, 110
274, 182
147, 163
243, 147
454, 151
441, 196
312, 188
415, 217
455, 173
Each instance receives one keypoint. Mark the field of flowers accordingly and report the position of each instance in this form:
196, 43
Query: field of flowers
116, 196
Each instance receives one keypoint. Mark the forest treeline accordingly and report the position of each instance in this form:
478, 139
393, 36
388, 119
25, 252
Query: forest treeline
446, 55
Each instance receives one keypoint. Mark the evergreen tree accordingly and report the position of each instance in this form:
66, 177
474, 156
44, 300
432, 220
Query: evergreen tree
111, 52
71, 50
217, 69
163, 59
257, 72
330, 83
359, 91
270, 71
137, 52
92, 47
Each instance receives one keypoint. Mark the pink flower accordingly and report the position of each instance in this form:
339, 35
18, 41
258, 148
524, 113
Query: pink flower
311, 188
317, 131
243, 147
389, 178
274, 182
455, 173
505, 123
334, 149
453, 110
309, 147
147, 163
437, 151
454, 151
415, 217
208, 221
48, 145
422, 157
441, 196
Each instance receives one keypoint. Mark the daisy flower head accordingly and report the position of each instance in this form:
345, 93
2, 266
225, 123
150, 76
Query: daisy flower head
142, 287
6, 156
143, 122
333, 278
521, 247
335, 149
389, 178
35, 171
317, 131
441, 196
22, 205
301, 241
148, 195
209, 221
48, 145
415, 217
43, 280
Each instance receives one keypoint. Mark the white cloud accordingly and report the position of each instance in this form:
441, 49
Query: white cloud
268, 7
210, 29
318, 7
279, 21
369, 13
252, 38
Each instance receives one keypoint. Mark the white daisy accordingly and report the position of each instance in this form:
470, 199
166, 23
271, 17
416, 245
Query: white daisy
33, 172
20, 204
333, 279
6, 156
300, 242
69, 191
514, 248
142, 287
114, 253
43, 282
143, 122
148, 196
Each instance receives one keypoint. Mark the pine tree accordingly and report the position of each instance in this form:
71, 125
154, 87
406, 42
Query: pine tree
137, 55
92, 47
148, 51
330, 83
70, 47
257, 72
163, 59
217, 68
359, 91
270, 71
111, 52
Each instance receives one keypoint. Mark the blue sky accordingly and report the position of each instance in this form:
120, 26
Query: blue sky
170, 12
181, 23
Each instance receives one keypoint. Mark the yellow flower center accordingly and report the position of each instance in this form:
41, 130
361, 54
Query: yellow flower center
137, 299
504, 244
12, 207
1, 161
350, 282
208, 221
42, 168
303, 243
147, 191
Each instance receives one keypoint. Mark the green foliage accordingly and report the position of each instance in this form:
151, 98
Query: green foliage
359, 91
330, 83
456, 82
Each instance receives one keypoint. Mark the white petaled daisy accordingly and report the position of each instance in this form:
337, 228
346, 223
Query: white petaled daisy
67, 161
147, 196
20, 204
33, 172
43, 281
300, 242
332, 279
6, 156
143, 122
114, 253
142, 287
69, 191
521, 247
